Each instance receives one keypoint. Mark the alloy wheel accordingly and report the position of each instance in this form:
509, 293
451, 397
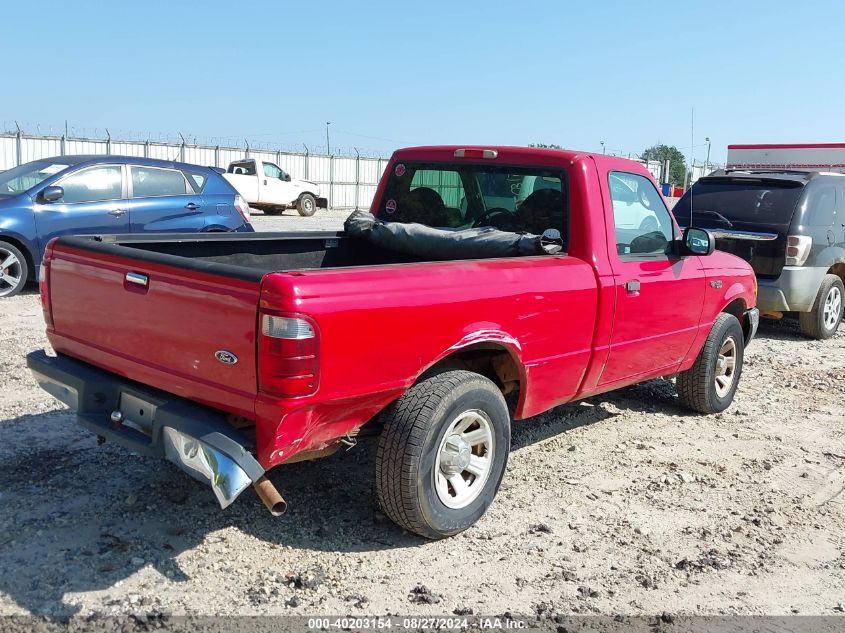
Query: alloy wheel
11, 272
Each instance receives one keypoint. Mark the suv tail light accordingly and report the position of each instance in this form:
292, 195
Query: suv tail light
798, 249
288, 363
242, 207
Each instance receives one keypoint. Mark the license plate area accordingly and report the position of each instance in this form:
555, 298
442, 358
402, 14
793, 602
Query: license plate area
137, 413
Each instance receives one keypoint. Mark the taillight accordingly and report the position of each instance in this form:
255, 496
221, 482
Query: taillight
488, 154
798, 249
242, 207
44, 291
288, 363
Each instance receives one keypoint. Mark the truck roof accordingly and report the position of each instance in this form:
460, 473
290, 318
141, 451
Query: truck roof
518, 155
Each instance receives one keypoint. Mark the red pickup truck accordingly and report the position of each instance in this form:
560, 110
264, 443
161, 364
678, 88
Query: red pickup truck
231, 354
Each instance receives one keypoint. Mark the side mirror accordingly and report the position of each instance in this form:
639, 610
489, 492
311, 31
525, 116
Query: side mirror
286, 177
698, 242
51, 194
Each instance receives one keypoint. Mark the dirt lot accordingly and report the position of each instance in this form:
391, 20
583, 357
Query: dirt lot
624, 503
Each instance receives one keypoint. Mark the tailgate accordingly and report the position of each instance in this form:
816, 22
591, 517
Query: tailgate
186, 331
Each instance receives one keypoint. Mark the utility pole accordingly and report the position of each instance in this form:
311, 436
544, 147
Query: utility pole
602, 147
328, 145
707, 160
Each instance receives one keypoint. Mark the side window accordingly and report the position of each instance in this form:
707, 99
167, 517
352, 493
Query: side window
271, 171
821, 207
446, 184
93, 184
150, 182
197, 179
643, 225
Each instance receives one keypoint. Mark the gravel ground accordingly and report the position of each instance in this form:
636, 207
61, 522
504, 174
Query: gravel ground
624, 503
290, 220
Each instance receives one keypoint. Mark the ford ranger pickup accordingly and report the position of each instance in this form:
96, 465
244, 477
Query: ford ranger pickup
229, 354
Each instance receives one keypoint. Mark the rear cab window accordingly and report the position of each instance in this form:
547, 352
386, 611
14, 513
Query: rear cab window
466, 195
243, 168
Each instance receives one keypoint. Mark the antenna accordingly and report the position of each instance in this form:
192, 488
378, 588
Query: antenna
692, 159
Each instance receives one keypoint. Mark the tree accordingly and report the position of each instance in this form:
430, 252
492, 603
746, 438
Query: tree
677, 162
544, 146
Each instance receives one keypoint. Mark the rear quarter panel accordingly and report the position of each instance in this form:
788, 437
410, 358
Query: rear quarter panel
381, 327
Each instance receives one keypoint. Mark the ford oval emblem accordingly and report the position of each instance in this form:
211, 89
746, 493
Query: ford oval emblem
227, 358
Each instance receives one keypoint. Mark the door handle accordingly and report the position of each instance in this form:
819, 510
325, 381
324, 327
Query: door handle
265, 182
138, 279
117, 212
633, 286
192, 206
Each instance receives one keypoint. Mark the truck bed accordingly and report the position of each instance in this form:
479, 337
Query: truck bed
257, 253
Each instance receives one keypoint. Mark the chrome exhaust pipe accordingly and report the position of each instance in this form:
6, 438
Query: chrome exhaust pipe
271, 498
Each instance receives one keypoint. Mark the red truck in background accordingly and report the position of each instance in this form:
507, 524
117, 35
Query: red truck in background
231, 354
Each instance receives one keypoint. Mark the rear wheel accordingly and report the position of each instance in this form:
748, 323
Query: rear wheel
822, 322
442, 453
710, 384
14, 270
306, 205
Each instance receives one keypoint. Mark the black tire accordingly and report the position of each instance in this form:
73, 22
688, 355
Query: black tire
13, 277
817, 324
415, 428
306, 205
697, 386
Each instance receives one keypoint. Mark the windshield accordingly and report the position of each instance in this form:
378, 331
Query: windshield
26, 176
727, 203
457, 195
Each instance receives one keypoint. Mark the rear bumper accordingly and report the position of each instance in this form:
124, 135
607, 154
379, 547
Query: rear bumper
794, 291
150, 422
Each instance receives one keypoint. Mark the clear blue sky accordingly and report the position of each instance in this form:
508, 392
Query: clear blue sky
399, 73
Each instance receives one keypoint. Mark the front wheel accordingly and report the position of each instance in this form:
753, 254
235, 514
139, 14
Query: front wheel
821, 323
442, 453
14, 270
307, 205
710, 384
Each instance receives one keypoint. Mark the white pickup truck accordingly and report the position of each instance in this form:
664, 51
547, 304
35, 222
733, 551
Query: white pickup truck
268, 188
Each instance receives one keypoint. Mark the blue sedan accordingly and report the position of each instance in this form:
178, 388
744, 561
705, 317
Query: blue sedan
105, 195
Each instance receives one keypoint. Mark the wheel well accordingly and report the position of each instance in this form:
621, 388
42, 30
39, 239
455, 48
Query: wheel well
838, 270
737, 308
30, 263
488, 359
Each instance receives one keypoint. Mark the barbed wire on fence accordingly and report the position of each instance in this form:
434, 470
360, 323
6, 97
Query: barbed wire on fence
251, 142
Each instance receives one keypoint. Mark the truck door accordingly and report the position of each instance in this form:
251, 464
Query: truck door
274, 188
93, 202
658, 295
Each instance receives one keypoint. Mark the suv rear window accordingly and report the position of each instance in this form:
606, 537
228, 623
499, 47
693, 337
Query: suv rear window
724, 202
459, 196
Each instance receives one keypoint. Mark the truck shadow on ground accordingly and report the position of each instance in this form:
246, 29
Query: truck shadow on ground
77, 517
